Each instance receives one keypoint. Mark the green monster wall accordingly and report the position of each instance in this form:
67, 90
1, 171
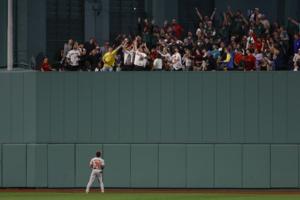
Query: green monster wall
156, 130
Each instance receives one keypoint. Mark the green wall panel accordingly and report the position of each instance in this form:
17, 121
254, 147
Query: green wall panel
256, 166
30, 110
57, 117
5, 114
61, 165
280, 107
251, 108
84, 108
70, 108
144, 166
140, 101
172, 166
117, 171
284, 166
195, 108
154, 108
293, 108
167, 108
181, 107
210, 107
37, 166
84, 153
17, 107
223, 108
43, 107
98, 111
126, 108
200, 166
228, 166
1, 165
14, 165
112, 107
265, 109
237, 100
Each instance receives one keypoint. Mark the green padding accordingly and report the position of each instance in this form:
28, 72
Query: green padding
181, 117
117, 171
84, 108
153, 107
84, 153
30, 119
70, 107
265, 107
37, 168
195, 108
140, 108
98, 111
144, 166
126, 108
293, 108
57, 120
223, 108
0, 165
200, 166
61, 166
256, 166
280, 94
43, 107
5, 101
14, 165
237, 109
112, 107
209, 107
251, 134
172, 166
17, 108
167, 108
228, 166
284, 166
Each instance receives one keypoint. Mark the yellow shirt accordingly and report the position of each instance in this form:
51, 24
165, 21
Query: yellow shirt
109, 58
228, 58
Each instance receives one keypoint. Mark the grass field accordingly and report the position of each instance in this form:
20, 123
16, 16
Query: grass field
137, 196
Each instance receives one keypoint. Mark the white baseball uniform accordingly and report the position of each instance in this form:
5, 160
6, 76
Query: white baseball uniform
97, 165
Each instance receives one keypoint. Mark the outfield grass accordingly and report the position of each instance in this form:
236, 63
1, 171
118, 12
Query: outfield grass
97, 196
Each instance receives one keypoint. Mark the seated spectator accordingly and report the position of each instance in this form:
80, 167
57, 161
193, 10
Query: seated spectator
45, 66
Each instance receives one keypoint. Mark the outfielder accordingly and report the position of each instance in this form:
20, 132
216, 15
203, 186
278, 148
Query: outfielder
97, 165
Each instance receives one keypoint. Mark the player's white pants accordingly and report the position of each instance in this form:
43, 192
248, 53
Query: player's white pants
95, 174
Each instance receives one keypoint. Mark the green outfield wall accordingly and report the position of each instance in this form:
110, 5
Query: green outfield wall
156, 130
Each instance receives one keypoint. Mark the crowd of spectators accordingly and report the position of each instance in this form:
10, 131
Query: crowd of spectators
232, 42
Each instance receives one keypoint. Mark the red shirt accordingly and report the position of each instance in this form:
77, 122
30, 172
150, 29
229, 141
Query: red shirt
46, 67
239, 57
250, 62
177, 30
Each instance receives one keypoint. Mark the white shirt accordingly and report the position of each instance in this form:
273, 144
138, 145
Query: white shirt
73, 56
140, 59
128, 57
177, 61
157, 64
97, 163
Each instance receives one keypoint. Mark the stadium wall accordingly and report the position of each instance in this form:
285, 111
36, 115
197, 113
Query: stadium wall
156, 130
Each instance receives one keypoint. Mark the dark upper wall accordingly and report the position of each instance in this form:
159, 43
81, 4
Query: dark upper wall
3, 35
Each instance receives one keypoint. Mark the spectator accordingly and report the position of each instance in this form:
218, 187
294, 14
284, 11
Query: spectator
45, 66
73, 58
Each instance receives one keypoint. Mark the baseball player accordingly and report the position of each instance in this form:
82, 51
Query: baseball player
97, 165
